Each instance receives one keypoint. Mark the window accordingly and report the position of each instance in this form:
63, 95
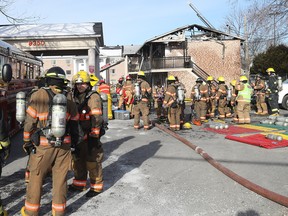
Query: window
113, 71
53, 62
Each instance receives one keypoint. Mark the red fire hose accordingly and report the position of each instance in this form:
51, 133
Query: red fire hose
280, 199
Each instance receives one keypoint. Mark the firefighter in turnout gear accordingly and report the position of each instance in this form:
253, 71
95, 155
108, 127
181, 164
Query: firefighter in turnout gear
260, 91
142, 90
233, 101
199, 97
105, 88
243, 100
88, 158
119, 92
158, 95
128, 94
211, 105
50, 128
272, 91
4, 138
170, 101
221, 97
181, 90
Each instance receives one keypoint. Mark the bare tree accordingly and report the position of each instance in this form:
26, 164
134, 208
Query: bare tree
262, 24
5, 6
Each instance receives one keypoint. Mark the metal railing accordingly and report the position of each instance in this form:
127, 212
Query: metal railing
162, 63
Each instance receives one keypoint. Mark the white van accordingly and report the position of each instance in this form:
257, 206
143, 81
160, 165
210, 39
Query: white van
283, 95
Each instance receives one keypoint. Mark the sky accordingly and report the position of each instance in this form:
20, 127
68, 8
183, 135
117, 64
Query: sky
124, 22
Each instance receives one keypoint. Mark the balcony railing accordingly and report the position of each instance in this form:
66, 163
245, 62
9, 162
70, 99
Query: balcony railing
163, 63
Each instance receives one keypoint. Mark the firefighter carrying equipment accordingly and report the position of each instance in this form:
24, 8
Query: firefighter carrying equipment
270, 70
221, 79
210, 78
233, 82
141, 73
171, 78
243, 78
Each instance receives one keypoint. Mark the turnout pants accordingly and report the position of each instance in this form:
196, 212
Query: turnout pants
243, 111
141, 107
174, 117
89, 163
45, 159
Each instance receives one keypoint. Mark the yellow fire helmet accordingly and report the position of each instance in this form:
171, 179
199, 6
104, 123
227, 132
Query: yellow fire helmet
141, 73
81, 77
93, 80
221, 79
270, 70
187, 125
243, 78
233, 82
210, 78
171, 78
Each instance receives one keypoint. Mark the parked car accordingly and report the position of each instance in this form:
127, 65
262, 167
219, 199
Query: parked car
283, 95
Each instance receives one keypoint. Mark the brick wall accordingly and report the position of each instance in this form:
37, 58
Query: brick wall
214, 58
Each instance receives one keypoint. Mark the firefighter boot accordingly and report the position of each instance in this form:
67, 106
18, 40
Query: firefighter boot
74, 188
92, 193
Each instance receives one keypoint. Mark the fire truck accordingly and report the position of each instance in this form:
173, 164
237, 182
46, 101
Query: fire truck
25, 70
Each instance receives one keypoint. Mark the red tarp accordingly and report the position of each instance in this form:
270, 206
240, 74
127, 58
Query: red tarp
259, 140
233, 130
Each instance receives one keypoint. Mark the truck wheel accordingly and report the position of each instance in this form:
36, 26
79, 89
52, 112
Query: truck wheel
285, 102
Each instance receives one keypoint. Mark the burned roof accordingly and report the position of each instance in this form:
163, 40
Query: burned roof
179, 34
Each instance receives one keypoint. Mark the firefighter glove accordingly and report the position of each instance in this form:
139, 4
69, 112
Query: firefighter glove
5, 147
28, 147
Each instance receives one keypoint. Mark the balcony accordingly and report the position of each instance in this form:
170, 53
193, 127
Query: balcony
162, 63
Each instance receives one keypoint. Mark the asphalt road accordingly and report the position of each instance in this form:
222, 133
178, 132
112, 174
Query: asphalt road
152, 173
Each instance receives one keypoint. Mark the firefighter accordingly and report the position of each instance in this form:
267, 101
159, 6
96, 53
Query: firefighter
211, 105
181, 91
158, 96
105, 88
199, 97
128, 94
142, 91
233, 101
221, 97
119, 92
260, 89
243, 100
272, 91
4, 138
89, 159
170, 102
48, 135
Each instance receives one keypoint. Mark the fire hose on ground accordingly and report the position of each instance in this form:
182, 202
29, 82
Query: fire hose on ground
278, 198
